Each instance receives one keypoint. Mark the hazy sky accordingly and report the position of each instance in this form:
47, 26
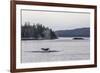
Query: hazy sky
57, 20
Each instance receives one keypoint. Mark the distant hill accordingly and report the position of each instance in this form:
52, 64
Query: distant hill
79, 32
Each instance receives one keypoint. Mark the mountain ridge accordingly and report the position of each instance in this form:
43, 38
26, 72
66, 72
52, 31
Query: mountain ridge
78, 32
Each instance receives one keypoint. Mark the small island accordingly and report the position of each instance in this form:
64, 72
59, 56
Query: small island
78, 38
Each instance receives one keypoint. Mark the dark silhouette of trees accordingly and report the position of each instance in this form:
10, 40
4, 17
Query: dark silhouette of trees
36, 31
53, 35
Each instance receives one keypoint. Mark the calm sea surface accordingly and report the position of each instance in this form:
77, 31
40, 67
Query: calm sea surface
62, 49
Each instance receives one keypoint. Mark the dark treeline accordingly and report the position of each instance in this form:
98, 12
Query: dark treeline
36, 32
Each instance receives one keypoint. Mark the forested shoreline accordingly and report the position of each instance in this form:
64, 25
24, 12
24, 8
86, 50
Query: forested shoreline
36, 32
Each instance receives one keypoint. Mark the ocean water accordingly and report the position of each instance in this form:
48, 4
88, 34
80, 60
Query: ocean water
62, 49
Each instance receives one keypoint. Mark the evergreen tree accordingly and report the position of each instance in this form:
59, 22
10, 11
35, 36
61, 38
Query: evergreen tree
52, 34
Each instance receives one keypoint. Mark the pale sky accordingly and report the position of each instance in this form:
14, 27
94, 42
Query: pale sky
57, 20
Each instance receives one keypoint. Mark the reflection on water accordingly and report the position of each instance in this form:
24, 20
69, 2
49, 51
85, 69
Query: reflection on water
62, 49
